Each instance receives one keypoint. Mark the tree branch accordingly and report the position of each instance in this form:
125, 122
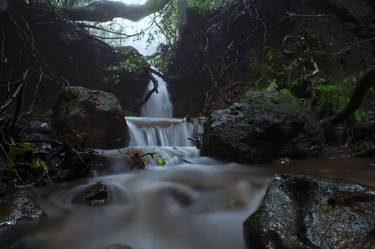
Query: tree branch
149, 94
106, 10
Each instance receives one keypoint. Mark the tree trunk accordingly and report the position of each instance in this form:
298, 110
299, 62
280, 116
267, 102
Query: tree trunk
103, 11
358, 95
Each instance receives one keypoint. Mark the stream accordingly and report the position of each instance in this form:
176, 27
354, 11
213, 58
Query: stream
190, 202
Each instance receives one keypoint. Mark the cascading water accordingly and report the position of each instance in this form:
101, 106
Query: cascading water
159, 105
163, 132
156, 127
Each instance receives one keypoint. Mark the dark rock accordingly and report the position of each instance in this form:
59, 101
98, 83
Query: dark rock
89, 117
128, 78
16, 209
3, 188
265, 126
72, 55
95, 195
302, 212
118, 247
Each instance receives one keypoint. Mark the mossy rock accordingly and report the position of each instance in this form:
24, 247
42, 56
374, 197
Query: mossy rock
95, 195
268, 100
303, 212
132, 62
89, 117
262, 127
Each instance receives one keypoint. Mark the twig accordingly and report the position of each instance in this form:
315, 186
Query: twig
291, 15
16, 93
347, 49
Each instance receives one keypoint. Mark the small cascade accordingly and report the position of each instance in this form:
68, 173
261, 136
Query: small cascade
145, 131
159, 105
156, 127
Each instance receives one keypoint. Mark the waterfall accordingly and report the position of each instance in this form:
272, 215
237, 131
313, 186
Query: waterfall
163, 131
159, 105
156, 127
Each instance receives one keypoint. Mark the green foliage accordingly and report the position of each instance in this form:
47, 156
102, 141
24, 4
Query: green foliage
205, 6
333, 96
159, 62
24, 154
291, 68
41, 165
17, 152
169, 23
295, 67
202, 6
132, 63
160, 161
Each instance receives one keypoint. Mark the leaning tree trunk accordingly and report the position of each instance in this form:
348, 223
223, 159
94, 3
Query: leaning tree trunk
103, 11
358, 95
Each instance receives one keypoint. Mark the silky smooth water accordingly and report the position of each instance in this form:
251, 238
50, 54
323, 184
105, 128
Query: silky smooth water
159, 105
146, 131
196, 205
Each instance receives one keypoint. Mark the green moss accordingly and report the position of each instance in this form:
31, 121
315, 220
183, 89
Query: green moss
205, 6
268, 100
132, 62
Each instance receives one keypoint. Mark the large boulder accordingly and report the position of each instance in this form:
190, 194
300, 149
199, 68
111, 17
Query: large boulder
302, 212
89, 117
263, 127
16, 209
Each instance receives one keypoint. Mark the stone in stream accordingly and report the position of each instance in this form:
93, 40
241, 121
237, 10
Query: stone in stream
89, 117
263, 127
18, 208
303, 212
95, 195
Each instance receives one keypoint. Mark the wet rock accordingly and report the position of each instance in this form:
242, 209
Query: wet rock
95, 195
89, 117
263, 127
118, 247
16, 209
312, 212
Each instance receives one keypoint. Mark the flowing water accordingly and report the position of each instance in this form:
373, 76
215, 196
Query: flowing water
159, 105
187, 202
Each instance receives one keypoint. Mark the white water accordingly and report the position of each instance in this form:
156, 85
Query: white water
162, 131
156, 127
159, 105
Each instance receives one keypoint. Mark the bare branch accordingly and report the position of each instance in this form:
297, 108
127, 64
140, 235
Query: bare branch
149, 94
